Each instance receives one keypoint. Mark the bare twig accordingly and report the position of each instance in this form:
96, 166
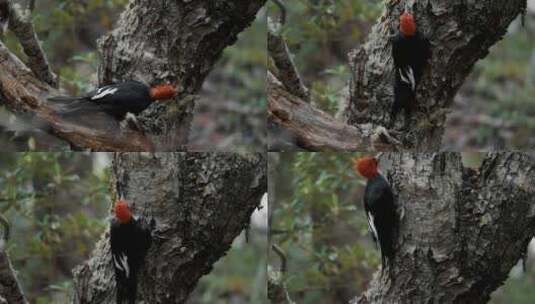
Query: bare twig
277, 290
287, 72
21, 25
282, 256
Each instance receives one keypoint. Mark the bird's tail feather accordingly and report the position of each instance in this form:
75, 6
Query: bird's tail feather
63, 99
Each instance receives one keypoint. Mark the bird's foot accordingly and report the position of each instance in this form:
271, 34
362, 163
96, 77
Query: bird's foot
131, 122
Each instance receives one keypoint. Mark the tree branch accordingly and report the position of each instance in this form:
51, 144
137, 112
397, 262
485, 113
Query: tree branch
23, 92
200, 201
277, 291
279, 52
21, 25
461, 230
314, 129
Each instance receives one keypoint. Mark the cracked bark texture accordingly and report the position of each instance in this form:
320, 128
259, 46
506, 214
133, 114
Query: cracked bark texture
172, 41
461, 32
461, 230
200, 201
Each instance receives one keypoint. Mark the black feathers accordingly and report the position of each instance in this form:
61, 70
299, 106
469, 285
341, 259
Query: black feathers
381, 213
116, 100
411, 54
129, 245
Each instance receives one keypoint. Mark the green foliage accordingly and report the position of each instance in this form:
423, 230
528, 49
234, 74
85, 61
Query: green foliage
320, 34
74, 26
321, 227
518, 289
237, 84
504, 88
244, 64
240, 274
56, 207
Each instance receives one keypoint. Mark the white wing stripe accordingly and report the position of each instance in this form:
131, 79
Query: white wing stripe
372, 226
410, 73
106, 92
407, 76
124, 261
122, 264
117, 265
403, 78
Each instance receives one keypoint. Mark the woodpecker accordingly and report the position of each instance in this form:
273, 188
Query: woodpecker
379, 207
411, 52
129, 241
116, 100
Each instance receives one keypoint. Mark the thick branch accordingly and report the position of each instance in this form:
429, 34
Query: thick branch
21, 25
316, 130
23, 92
200, 202
461, 230
461, 32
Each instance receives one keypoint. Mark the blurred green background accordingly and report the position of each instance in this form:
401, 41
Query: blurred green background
58, 206
319, 222
231, 111
493, 110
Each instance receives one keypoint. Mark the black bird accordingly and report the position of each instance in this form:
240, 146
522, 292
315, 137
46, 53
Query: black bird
379, 207
129, 241
411, 52
116, 100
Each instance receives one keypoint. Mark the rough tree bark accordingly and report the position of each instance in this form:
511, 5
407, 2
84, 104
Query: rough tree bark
200, 201
174, 41
154, 41
10, 290
461, 32
461, 230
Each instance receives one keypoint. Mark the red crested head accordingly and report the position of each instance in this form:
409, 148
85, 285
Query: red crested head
366, 166
407, 26
122, 212
163, 92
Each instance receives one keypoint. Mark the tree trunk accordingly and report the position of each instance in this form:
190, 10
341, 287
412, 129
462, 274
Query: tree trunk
200, 201
461, 230
177, 42
461, 32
